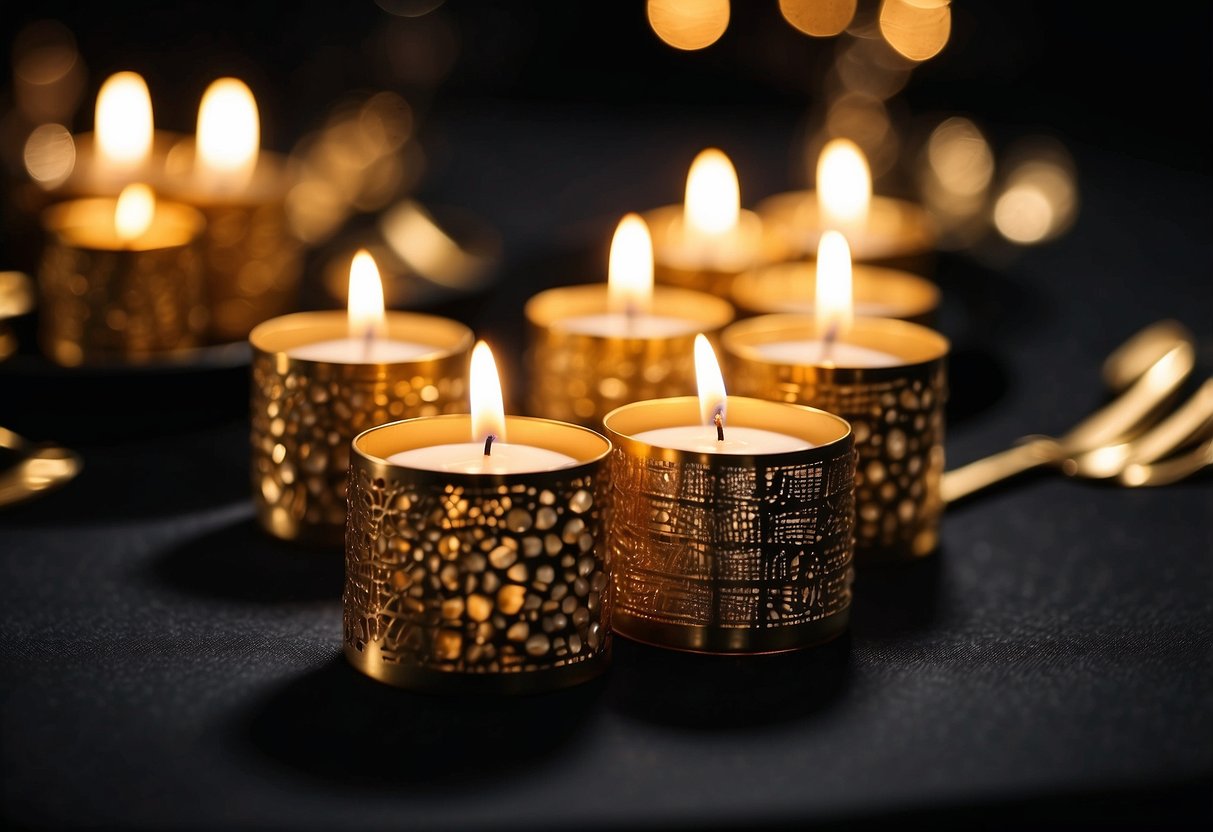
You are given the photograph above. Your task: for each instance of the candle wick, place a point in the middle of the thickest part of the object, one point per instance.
(629, 316)
(367, 340)
(719, 420)
(488, 444)
(827, 343)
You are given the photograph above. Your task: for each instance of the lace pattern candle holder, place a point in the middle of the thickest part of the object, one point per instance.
(305, 413)
(478, 582)
(724, 553)
(896, 414)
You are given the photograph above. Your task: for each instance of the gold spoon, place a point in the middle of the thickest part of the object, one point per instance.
(41, 469)
(1174, 356)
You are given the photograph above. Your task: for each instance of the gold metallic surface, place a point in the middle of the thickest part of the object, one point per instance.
(580, 378)
(896, 414)
(103, 300)
(791, 287)
(478, 582)
(305, 413)
(723, 553)
(898, 234)
(672, 264)
(41, 469)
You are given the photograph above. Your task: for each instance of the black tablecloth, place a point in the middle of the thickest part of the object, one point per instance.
(166, 665)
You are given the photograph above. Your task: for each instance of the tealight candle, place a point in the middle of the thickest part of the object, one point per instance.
(880, 229)
(120, 278)
(487, 452)
(478, 566)
(705, 242)
(886, 377)
(594, 347)
(253, 262)
(320, 378)
(733, 518)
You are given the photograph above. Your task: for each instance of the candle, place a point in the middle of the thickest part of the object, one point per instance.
(886, 377)
(488, 452)
(120, 278)
(834, 314)
(481, 565)
(594, 347)
(880, 229)
(710, 436)
(320, 378)
(703, 243)
(367, 341)
(733, 521)
(252, 260)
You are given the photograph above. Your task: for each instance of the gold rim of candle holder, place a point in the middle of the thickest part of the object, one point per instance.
(579, 378)
(770, 289)
(905, 232)
(896, 413)
(478, 583)
(714, 280)
(731, 553)
(108, 300)
(305, 413)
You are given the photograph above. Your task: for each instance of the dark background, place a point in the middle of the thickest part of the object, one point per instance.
(165, 665)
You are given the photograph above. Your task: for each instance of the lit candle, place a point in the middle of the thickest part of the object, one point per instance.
(253, 261)
(887, 377)
(367, 341)
(488, 451)
(120, 278)
(321, 378)
(733, 521)
(713, 435)
(629, 292)
(880, 229)
(835, 318)
(703, 243)
(594, 347)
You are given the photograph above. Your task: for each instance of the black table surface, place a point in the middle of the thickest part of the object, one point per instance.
(165, 664)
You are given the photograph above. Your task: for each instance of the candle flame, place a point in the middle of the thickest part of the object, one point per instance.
(712, 396)
(123, 121)
(833, 305)
(844, 185)
(366, 315)
(134, 211)
(488, 411)
(229, 131)
(630, 270)
(713, 199)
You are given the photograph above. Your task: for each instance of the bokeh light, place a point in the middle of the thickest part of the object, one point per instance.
(48, 73)
(819, 18)
(689, 24)
(1039, 197)
(960, 157)
(49, 155)
(918, 29)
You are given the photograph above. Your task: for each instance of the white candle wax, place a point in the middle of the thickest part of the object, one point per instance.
(737, 440)
(361, 351)
(620, 325)
(469, 458)
(814, 352)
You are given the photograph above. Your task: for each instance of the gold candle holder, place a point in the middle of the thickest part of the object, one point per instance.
(896, 414)
(109, 298)
(897, 234)
(690, 263)
(878, 292)
(580, 378)
(305, 413)
(478, 582)
(252, 260)
(724, 553)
